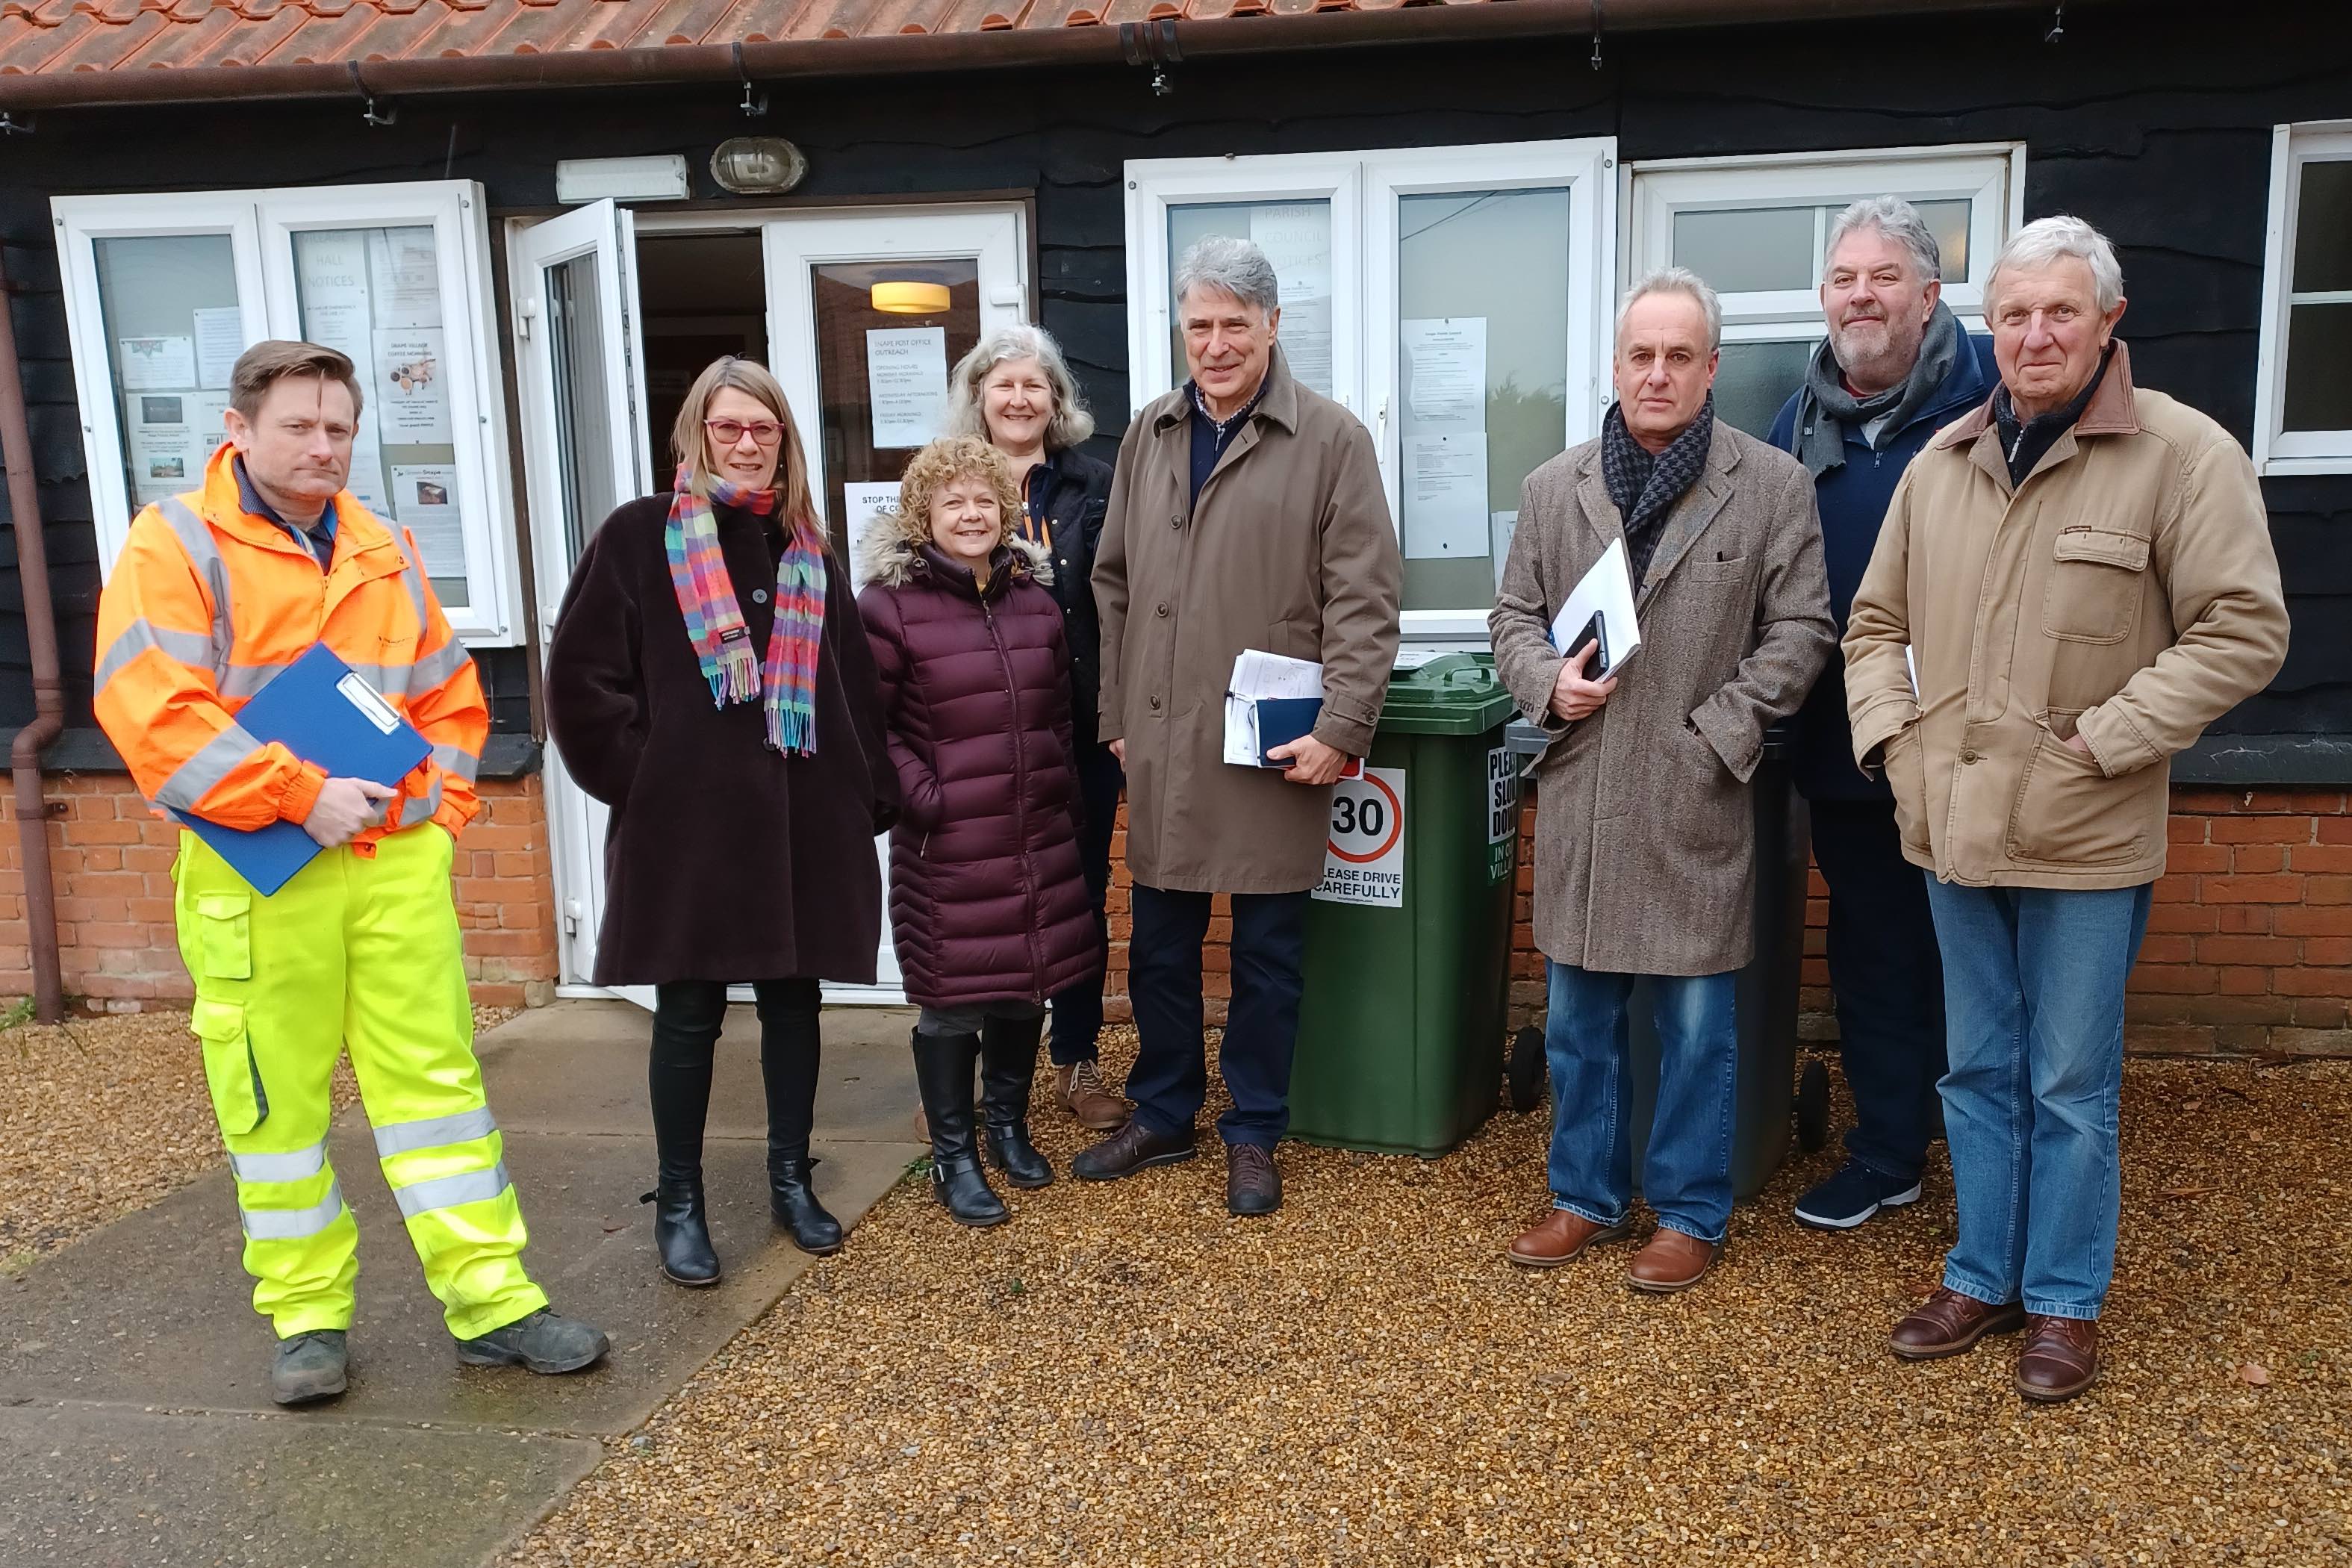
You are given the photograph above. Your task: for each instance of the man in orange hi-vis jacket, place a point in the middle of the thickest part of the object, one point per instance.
(217, 592)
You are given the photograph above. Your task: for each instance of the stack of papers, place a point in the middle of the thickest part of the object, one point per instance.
(1605, 595)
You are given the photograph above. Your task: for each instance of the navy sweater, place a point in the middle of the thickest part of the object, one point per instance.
(1853, 500)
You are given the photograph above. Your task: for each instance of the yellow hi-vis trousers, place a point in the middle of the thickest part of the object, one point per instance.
(360, 948)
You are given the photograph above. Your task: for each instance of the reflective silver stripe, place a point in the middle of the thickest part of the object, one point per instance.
(196, 537)
(299, 1165)
(448, 1192)
(426, 807)
(457, 761)
(214, 761)
(193, 649)
(293, 1225)
(241, 681)
(404, 1137)
(439, 665)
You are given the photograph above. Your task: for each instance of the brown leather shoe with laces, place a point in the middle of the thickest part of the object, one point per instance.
(1132, 1148)
(1562, 1236)
(1949, 1324)
(1080, 1088)
(1252, 1185)
(1671, 1261)
(2059, 1359)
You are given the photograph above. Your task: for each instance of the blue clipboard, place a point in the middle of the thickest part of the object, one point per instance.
(326, 714)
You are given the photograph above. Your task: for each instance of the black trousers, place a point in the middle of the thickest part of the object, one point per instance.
(1169, 1082)
(1889, 980)
(688, 1016)
(1078, 1010)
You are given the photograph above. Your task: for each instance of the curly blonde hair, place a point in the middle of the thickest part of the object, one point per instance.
(949, 458)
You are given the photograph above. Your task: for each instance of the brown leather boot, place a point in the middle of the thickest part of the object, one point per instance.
(1672, 1261)
(1080, 1088)
(2059, 1359)
(1562, 1236)
(1949, 1324)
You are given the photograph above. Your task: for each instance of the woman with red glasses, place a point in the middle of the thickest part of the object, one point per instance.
(709, 680)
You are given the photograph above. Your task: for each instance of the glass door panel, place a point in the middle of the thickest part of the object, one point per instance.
(174, 328)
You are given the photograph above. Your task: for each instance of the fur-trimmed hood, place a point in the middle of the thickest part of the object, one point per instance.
(888, 554)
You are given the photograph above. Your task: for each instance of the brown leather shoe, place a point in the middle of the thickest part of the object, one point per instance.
(1080, 1088)
(1253, 1186)
(1948, 1323)
(1672, 1261)
(1562, 1236)
(1132, 1148)
(2059, 1359)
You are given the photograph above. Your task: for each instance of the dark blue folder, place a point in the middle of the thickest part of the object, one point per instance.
(1282, 719)
(331, 718)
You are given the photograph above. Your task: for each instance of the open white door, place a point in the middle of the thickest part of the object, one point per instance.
(581, 380)
(868, 310)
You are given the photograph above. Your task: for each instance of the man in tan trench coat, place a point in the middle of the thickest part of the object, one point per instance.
(1246, 513)
(1644, 831)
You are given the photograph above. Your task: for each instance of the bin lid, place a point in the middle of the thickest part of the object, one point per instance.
(1451, 694)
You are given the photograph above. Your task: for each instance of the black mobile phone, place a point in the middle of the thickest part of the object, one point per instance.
(1593, 633)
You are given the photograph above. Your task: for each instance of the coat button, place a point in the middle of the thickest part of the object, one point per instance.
(1176, 522)
(1968, 756)
(1163, 611)
(759, 595)
(1155, 705)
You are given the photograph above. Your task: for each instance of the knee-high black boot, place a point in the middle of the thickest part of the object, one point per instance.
(1008, 1066)
(678, 1079)
(789, 1050)
(943, 1064)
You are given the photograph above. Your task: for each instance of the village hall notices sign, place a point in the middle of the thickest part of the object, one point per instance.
(1364, 859)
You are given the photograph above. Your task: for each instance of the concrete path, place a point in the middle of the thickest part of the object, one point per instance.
(135, 1421)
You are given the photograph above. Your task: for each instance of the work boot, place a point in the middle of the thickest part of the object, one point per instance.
(1008, 1067)
(542, 1341)
(1562, 1236)
(792, 1200)
(943, 1066)
(1949, 1324)
(2059, 1359)
(310, 1367)
(1080, 1088)
(682, 1231)
(1671, 1261)
(1253, 1184)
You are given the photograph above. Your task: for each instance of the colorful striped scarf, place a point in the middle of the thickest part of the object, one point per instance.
(714, 621)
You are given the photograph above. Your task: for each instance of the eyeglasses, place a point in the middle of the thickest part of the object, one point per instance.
(727, 432)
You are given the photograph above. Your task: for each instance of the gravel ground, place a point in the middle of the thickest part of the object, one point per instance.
(103, 1115)
(1124, 1375)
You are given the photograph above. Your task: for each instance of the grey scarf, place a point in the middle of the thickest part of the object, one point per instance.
(1826, 410)
(1645, 487)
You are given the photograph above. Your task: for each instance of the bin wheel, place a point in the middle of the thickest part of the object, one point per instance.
(1813, 1105)
(1526, 1069)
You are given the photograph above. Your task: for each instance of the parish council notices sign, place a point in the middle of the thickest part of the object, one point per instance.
(1363, 861)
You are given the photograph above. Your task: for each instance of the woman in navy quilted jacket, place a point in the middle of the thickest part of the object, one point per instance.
(989, 907)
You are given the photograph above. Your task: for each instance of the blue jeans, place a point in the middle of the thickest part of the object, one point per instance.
(2033, 999)
(1686, 1173)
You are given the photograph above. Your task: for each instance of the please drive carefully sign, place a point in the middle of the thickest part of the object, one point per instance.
(1363, 861)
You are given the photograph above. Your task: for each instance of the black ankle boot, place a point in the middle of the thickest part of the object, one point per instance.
(1008, 1066)
(794, 1202)
(943, 1064)
(682, 1232)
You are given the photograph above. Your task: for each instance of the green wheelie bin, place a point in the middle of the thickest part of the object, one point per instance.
(1403, 1022)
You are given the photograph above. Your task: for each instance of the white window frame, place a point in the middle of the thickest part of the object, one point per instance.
(261, 224)
(2278, 450)
(1990, 176)
(1363, 187)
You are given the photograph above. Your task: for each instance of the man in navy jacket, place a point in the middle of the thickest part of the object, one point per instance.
(1894, 368)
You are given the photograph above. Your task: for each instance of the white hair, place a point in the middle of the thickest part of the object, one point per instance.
(1674, 280)
(1899, 221)
(2049, 239)
(1069, 423)
(1225, 265)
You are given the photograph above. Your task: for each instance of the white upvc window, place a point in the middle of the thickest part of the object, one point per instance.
(1757, 229)
(1454, 298)
(2303, 400)
(163, 291)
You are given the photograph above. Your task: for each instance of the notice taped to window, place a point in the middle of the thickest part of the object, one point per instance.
(1364, 859)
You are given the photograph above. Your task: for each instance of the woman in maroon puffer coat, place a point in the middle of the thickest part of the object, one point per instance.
(989, 906)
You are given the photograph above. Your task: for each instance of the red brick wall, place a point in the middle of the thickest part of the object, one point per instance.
(112, 859)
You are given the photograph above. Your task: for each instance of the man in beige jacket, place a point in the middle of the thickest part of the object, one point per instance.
(2071, 582)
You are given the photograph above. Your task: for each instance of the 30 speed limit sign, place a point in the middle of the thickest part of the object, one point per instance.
(1363, 861)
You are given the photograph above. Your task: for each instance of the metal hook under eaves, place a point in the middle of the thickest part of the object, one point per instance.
(386, 115)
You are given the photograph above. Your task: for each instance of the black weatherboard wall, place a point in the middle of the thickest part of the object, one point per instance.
(2153, 122)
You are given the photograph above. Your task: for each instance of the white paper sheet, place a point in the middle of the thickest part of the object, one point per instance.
(366, 478)
(1257, 674)
(151, 364)
(1608, 590)
(906, 384)
(331, 270)
(166, 457)
(869, 507)
(425, 499)
(1445, 373)
(1444, 495)
(1502, 527)
(1363, 857)
(1296, 238)
(410, 393)
(207, 418)
(406, 277)
(220, 338)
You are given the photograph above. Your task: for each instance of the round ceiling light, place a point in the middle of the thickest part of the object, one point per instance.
(906, 298)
